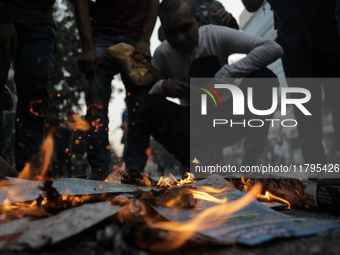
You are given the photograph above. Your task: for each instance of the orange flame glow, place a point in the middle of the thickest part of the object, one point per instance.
(172, 182)
(205, 196)
(270, 197)
(195, 161)
(47, 150)
(79, 123)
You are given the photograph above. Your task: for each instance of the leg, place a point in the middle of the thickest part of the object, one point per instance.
(33, 62)
(337, 14)
(138, 137)
(4, 67)
(299, 62)
(97, 100)
(256, 137)
(330, 68)
(169, 124)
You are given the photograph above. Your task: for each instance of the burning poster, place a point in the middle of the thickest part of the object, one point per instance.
(251, 225)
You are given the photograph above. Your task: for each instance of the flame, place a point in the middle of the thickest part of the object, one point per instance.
(209, 218)
(47, 151)
(270, 197)
(195, 161)
(246, 184)
(204, 196)
(34, 103)
(208, 189)
(166, 181)
(79, 123)
(189, 179)
(145, 180)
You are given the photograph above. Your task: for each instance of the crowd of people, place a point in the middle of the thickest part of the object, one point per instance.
(197, 38)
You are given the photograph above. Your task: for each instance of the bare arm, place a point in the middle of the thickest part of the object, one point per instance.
(88, 60)
(252, 5)
(143, 46)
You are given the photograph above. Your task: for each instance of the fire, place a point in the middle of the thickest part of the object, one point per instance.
(172, 182)
(208, 189)
(79, 123)
(180, 232)
(204, 196)
(246, 184)
(189, 179)
(145, 180)
(164, 182)
(270, 197)
(195, 161)
(47, 151)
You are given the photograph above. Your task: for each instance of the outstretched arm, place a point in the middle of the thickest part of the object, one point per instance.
(88, 59)
(252, 5)
(260, 52)
(143, 46)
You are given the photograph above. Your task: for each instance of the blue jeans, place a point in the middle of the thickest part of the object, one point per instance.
(32, 63)
(97, 100)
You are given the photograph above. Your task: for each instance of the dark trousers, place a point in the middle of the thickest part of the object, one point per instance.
(97, 100)
(169, 123)
(314, 53)
(32, 63)
(62, 159)
(337, 14)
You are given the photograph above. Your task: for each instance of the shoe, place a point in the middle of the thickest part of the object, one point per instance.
(99, 176)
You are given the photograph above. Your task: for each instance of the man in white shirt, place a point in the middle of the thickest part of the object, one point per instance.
(175, 61)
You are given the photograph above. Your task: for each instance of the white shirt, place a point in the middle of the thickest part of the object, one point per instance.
(220, 42)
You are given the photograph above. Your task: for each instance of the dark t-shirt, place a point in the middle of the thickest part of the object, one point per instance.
(62, 137)
(303, 15)
(119, 17)
(41, 9)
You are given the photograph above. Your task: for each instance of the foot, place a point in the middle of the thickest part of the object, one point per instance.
(99, 176)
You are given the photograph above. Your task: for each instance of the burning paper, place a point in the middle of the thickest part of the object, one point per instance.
(30, 190)
(253, 224)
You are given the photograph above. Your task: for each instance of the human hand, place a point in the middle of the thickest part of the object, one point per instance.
(8, 38)
(223, 15)
(88, 62)
(143, 47)
(176, 87)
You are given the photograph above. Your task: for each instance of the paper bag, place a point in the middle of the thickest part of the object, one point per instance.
(138, 68)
